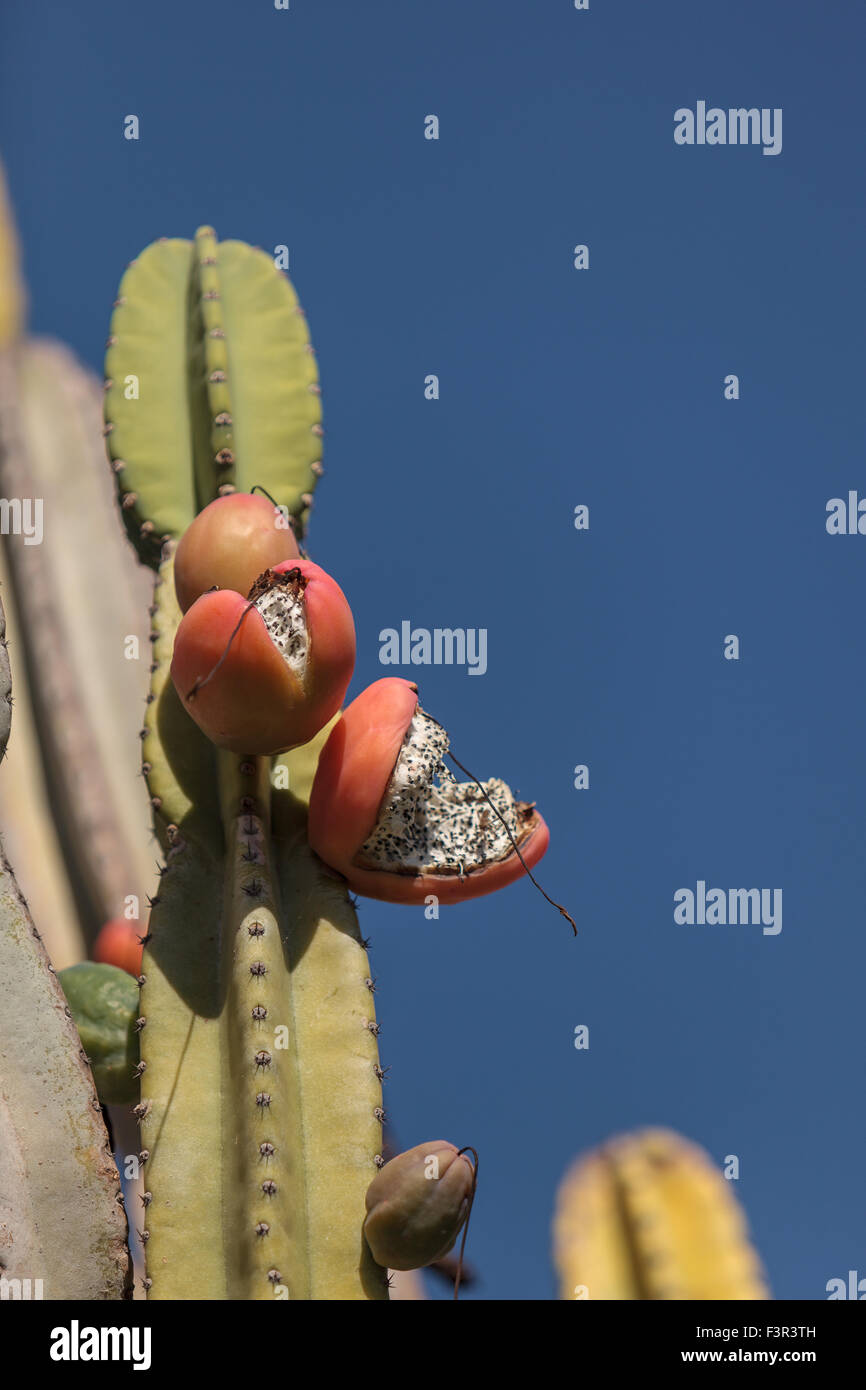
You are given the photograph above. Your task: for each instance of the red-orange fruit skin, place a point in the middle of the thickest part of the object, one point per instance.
(351, 779)
(254, 703)
(118, 944)
(354, 767)
(228, 545)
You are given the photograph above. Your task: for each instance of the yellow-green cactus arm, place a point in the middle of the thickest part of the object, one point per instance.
(649, 1216)
(211, 386)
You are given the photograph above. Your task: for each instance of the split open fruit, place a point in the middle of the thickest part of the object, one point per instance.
(263, 673)
(387, 813)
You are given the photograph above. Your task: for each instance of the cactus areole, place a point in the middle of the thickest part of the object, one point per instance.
(265, 673)
(387, 813)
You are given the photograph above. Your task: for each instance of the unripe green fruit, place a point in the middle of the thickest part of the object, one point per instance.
(417, 1205)
(103, 1000)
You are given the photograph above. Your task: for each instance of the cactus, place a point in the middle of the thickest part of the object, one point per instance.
(60, 1220)
(78, 604)
(246, 921)
(27, 826)
(250, 1035)
(12, 294)
(103, 1000)
(260, 1107)
(25, 822)
(75, 601)
(648, 1216)
(211, 387)
(258, 1025)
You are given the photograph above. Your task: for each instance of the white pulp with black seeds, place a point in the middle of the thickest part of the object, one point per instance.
(430, 822)
(284, 615)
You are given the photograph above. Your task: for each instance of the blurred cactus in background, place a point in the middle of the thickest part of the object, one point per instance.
(649, 1216)
(73, 809)
(12, 294)
(60, 1220)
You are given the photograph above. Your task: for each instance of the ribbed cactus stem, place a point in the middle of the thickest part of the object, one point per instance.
(213, 334)
(261, 1106)
(215, 470)
(246, 919)
(258, 1034)
(265, 1191)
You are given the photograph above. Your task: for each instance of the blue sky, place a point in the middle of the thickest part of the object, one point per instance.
(557, 387)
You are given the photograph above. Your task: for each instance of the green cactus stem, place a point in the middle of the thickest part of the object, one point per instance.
(211, 386)
(178, 761)
(257, 1034)
(104, 1004)
(257, 1027)
(260, 1104)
